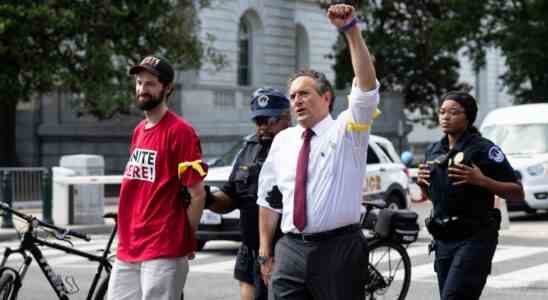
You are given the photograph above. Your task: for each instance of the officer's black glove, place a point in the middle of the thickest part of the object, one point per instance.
(185, 196)
(274, 198)
(209, 199)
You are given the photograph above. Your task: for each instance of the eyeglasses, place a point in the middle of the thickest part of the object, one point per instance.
(452, 112)
(260, 121)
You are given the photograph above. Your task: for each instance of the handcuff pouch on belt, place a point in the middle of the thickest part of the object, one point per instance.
(457, 227)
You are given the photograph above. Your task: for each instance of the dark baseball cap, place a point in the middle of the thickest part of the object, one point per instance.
(156, 65)
(268, 102)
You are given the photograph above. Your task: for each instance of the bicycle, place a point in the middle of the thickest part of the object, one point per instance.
(389, 263)
(11, 279)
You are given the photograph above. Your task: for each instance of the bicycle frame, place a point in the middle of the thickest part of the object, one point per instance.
(378, 281)
(30, 243)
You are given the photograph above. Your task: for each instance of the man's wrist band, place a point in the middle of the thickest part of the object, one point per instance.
(348, 25)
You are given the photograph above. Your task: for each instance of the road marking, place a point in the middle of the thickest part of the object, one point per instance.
(81, 262)
(381, 256)
(520, 278)
(201, 255)
(225, 263)
(225, 266)
(417, 249)
(504, 253)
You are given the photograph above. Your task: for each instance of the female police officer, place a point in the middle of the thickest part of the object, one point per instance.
(462, 173)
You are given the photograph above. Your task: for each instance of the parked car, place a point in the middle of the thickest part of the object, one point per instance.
(215, 226)
(522, 133)
(387, 179)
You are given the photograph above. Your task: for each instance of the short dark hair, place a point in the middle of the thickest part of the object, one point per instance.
(468, 102)
(322, 84)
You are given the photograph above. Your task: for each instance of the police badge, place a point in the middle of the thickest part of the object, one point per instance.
(459, 157)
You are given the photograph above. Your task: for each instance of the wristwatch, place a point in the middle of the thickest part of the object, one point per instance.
(262, 259)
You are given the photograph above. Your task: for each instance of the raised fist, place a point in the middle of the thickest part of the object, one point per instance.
(340, 14)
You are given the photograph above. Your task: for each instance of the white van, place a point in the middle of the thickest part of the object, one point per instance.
(522, 133)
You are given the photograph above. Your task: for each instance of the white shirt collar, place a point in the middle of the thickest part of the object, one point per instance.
(320, 127)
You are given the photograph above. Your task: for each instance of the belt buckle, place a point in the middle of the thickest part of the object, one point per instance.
(449, 219)
(305, 237)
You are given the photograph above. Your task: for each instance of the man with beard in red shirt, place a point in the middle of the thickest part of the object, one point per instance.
(156, 232)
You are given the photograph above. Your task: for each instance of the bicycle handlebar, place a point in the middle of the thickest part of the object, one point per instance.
(31, 219)
(6, 207)
(380, 204)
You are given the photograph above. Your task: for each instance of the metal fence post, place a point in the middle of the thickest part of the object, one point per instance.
(7, 221)
(46, 196)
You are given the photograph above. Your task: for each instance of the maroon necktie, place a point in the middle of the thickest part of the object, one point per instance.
(299, 204)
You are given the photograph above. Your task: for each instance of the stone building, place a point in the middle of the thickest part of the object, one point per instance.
(264, 42)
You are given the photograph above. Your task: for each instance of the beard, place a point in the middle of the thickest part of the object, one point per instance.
(265, 139)
(150, 103)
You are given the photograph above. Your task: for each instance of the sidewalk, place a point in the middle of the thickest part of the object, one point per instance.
(7, 234)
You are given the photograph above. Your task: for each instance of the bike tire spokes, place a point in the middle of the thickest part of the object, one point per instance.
(386, 274)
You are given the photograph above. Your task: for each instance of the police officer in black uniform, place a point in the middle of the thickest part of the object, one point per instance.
(270, 113)
(462, 174)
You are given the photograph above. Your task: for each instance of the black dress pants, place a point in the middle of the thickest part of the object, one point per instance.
(327, 269)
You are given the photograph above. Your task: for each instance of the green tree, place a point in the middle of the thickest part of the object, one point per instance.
(519, 28)
(415, 44)
(86, 47)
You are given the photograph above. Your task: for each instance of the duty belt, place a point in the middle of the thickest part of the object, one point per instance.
(455, 227)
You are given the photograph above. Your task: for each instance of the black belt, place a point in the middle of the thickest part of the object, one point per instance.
(324, 235)
(458, 227)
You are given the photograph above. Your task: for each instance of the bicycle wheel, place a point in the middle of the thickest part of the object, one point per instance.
(7, 285)
(389, 271)
(102, 289)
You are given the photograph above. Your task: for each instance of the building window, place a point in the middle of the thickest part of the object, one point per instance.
(224, 99)
(301, 49)
(244, 53)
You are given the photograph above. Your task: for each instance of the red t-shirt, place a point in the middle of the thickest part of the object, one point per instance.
(152, 221)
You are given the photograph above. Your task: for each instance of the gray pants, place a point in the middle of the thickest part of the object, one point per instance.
(156, 279)
(331, 269)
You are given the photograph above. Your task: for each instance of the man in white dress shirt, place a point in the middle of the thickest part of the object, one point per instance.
(323, 253)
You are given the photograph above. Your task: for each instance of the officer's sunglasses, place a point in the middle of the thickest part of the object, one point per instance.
(263, 120)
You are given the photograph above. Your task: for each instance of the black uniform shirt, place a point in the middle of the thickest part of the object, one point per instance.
(465, 200)
(242, 187)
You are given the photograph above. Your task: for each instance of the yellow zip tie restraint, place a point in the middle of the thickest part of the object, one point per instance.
(196, 165)
(353, 126)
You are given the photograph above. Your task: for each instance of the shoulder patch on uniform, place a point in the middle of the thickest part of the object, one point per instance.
(495, 154)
